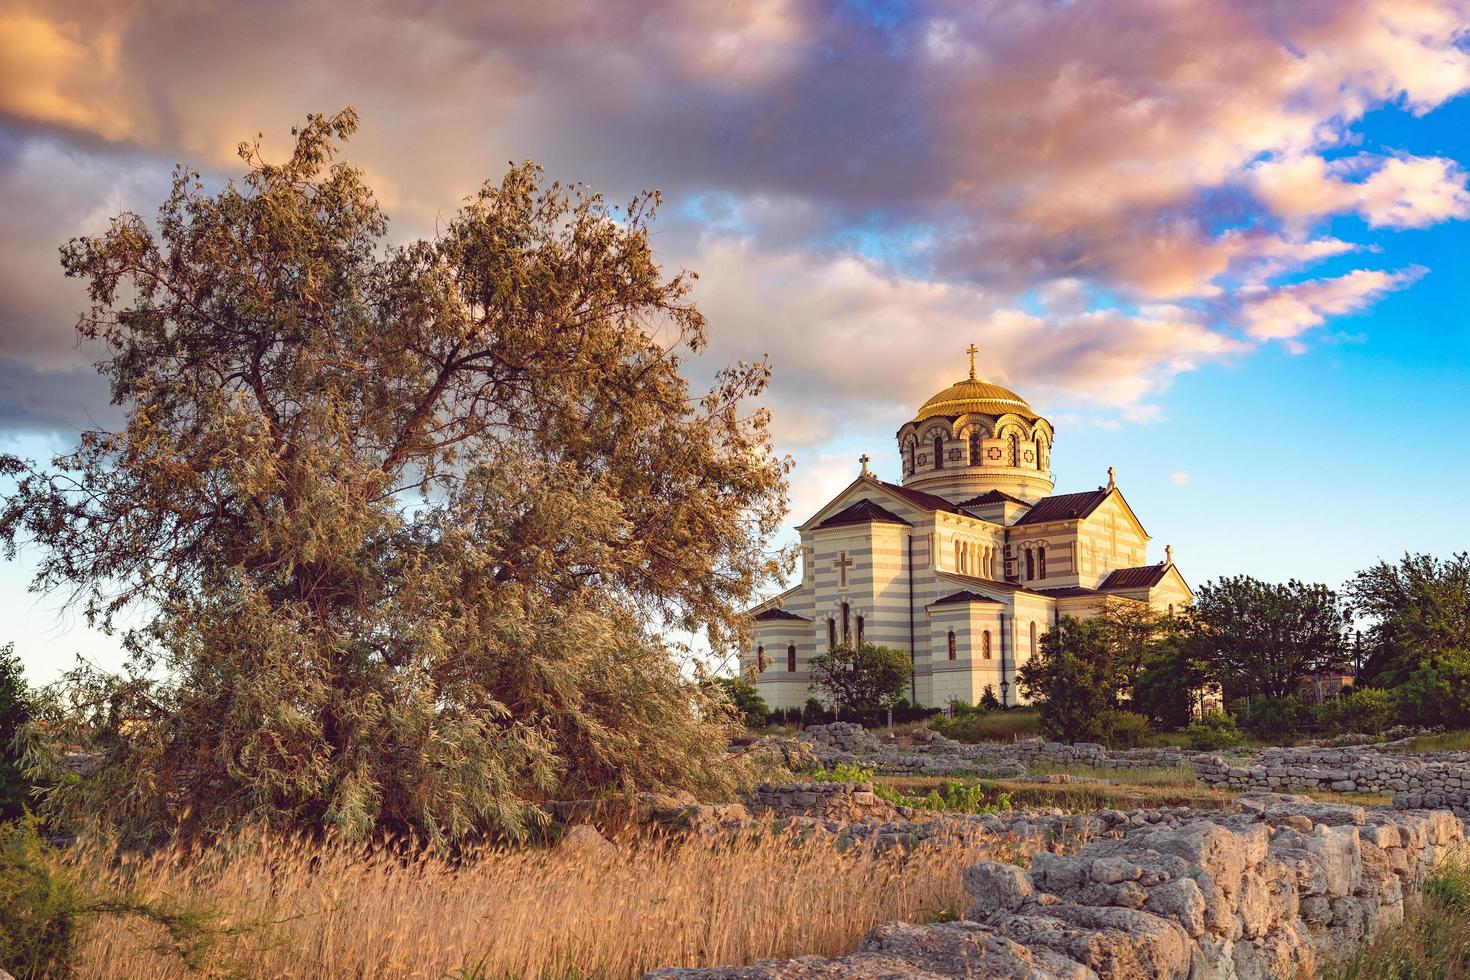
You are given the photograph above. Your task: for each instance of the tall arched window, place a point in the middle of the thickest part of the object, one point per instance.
(958, 556)
(860, 630)
(974, 449)
(1030, 564)
(939, 452)
(1041, 561)
(846, 623)
(831, 634)
(953, 650)
(1015, 450)
(985, 644)
(791, 659)
(1033, 639)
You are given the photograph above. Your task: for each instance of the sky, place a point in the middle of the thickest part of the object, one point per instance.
(1222, 246)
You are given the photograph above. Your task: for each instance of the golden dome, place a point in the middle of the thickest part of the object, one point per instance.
(974, 395)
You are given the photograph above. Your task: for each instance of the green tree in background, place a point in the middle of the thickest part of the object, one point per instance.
(862, 676)
(16, 709)
(1261, 638)
(745, 699)
(1077, 678)
(1420, 609)
(407, 524)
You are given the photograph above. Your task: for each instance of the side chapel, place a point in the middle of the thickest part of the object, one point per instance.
(965, 563)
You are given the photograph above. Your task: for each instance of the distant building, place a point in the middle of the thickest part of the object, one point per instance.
(965, 563)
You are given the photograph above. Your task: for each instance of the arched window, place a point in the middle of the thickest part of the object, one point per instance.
(953, 650)
(939, 452)
(908, 457)
(1015, 450)
(985, 644)
(1041, 561)
(974, 449)
(791, 659)
(958, 556)
(846, 623)
(860, 630)
(1033, 639)
(1030, 564)
(831, 634)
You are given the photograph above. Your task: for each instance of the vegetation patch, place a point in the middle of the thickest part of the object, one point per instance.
(1432, 943)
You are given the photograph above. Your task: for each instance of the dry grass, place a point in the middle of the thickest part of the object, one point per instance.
(300, 910)
(1458, 741)
(1432, 943)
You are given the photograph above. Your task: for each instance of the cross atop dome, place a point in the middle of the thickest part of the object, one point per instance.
(972, 350)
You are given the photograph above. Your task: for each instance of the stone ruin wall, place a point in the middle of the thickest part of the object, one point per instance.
(1282, 887)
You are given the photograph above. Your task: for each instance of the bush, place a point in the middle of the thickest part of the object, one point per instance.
(1365, 711)
(813, 712)
(746, 700)
(1215, 731)
(1274, 718)
(1122, 729)
(38, 914)
(1436, 695)
(988, 700)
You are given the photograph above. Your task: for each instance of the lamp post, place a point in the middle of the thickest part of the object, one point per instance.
(1004, 687)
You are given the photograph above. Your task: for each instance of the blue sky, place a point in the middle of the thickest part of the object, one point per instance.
(1222, 246)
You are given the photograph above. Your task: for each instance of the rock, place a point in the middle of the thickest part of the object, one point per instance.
(583, 841)
(997, 887)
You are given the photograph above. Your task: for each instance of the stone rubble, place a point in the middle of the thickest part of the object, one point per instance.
(1279, 887)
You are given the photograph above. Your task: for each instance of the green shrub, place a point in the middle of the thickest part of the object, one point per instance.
(40, 907)
(746, 700)
(1367, 711)
(1436, 695)
(1123, 729)
(1213, 732)
(1274, 718)
(988, 700)
(845, 772)
(813, 712)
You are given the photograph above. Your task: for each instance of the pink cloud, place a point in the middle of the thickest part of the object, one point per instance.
(1398, 192)
(1286, 312)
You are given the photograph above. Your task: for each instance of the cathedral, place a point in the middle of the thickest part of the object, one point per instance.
(964, 564)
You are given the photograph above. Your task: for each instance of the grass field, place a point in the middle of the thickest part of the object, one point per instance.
(302, 910)
(1444, 742)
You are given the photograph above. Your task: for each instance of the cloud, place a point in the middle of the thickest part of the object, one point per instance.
(855, 344)
(1180, 479)
(1285, 312)
(1397, 192)
(1104, 195)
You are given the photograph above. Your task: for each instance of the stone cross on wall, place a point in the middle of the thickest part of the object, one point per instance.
(843, 563)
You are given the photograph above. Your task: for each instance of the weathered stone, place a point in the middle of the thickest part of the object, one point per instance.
(997, 887)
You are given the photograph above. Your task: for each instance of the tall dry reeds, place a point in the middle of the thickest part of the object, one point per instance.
(293, 909)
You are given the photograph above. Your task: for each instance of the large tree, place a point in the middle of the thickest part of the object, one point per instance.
(1262, 638)
(1419, 610)
(407, 525)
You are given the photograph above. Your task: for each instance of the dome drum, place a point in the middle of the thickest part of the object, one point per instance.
(976, 436)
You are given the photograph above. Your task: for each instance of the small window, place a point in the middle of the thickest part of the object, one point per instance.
(1015, 450)
(831, 634)
(953, 650)
(846, 623)
(860, 630)
(1041, 561)
(985, 644)
(1030, 564)
(974, 449)
(939, 452)
(791, 659)
(1033, 639)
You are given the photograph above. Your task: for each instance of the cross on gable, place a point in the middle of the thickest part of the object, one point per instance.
(843, 563)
